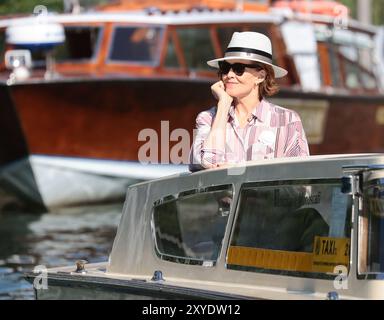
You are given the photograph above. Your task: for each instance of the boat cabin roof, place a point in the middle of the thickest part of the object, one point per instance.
(275, 226)
(183, 17)
(142, 17)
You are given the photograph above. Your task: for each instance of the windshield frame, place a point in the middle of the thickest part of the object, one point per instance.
(365, 230)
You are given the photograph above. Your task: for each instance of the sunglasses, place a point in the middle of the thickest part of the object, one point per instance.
(238, 68)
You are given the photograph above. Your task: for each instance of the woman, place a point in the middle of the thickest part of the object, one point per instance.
(244, 126)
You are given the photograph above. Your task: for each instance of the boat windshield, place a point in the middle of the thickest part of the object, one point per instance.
(351, 55)
(189, 228)
(371, 230)
(81, 43)
(332, 57)
(133, 44)
(298, 228)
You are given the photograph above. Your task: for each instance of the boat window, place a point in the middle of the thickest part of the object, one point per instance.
(2, 49)
(197, 47)
(299, 228)
(350, 53)
(171, 60)
(189, 227)
(351, 75)
(379, 53)
(305, 56)
(356, 76)
(225, 33)
(368, 80)
(335, 65)
(136, 44)
(371, 230)
(261, 29)
(80, 43)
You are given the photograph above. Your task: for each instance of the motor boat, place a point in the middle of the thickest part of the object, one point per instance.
(107, 90)
(290, 228)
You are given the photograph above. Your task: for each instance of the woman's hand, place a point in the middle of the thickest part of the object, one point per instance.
(218, 91)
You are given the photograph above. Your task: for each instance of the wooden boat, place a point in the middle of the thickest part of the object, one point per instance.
(125, 68)
(295, 228)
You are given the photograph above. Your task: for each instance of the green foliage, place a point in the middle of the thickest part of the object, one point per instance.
(378, 12)
(27, 6)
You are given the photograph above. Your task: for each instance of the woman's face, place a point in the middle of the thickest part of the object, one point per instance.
(247, 83)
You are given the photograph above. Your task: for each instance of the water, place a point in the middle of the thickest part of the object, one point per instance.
(52, 239)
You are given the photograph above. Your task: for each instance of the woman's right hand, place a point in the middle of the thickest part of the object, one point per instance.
(218, 91)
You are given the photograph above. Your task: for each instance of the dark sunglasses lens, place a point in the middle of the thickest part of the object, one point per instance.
(224, 67)
(238, 68)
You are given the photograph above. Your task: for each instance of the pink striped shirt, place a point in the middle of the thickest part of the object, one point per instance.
(272, 132)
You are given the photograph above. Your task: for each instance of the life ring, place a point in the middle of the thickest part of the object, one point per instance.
(330, 8)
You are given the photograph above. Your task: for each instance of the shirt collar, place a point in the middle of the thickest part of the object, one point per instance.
(259, 112)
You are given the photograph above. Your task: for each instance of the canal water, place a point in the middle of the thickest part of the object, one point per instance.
(52, 239)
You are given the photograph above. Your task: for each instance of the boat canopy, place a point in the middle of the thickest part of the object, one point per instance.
(254, 224)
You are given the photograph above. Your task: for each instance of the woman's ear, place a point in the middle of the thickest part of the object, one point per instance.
(260, 77)
(262, 74)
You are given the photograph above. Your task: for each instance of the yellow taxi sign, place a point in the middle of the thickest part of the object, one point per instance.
(330, 252)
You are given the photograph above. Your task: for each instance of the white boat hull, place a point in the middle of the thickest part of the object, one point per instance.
(39, 182)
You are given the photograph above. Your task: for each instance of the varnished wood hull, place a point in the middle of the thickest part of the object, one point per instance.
(103, 118)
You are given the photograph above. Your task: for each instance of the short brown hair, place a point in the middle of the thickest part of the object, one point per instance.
(268, 87)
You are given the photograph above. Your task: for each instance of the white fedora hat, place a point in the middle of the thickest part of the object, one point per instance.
(252, 46)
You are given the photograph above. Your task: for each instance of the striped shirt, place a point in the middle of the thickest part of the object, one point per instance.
(271, 132)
